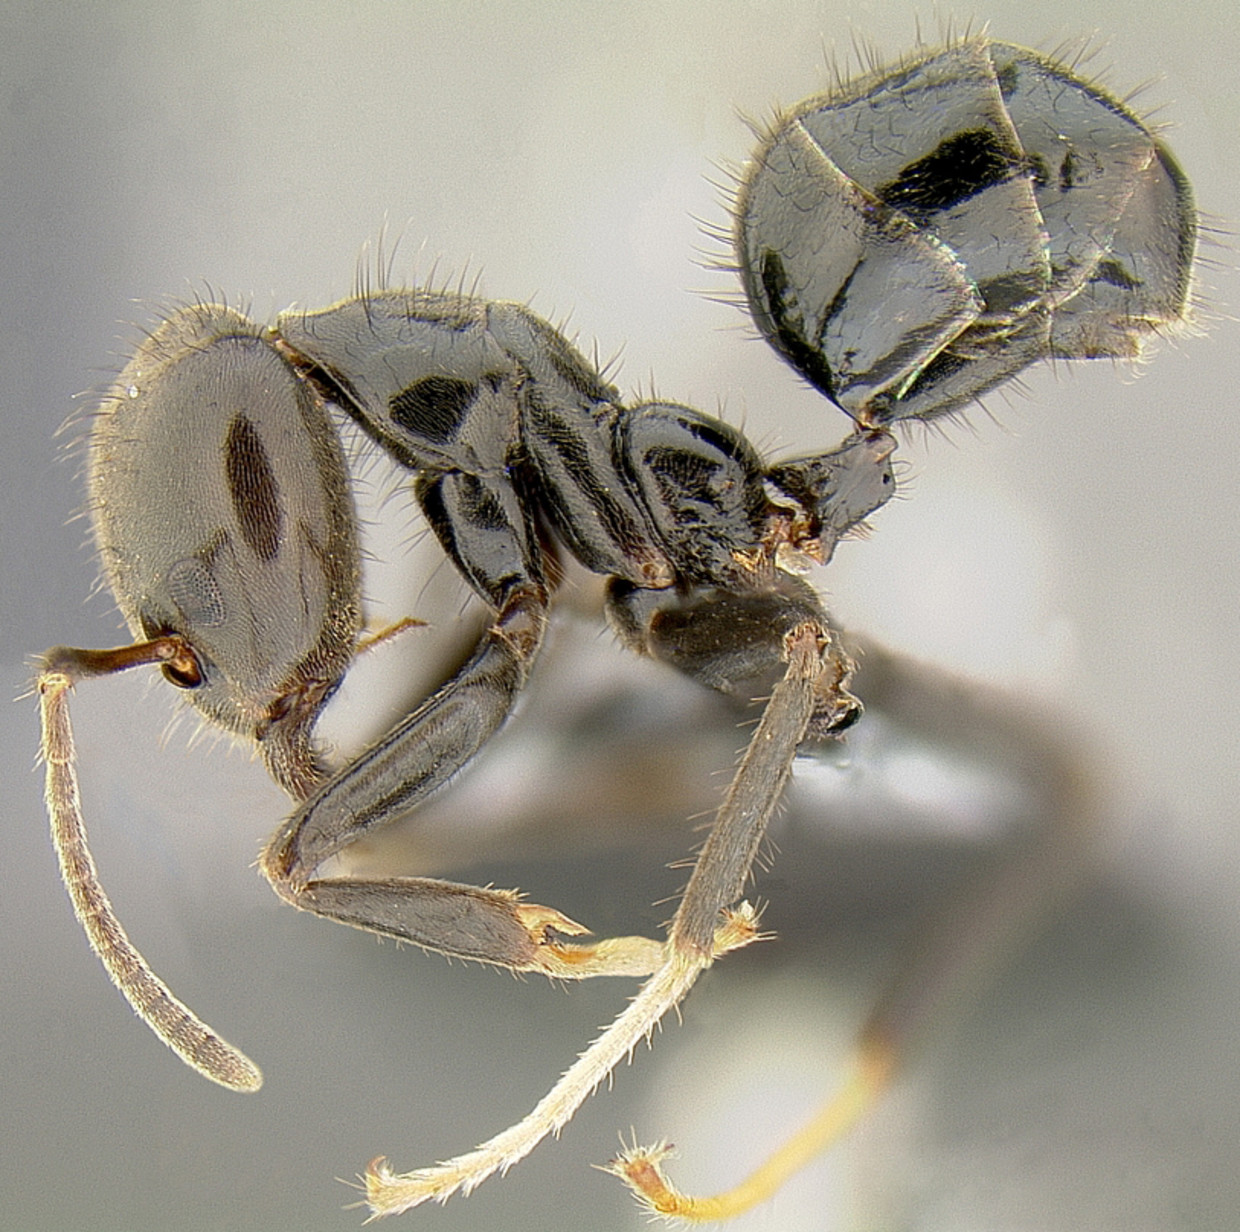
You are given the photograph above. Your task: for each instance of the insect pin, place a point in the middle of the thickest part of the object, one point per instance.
(906, 242)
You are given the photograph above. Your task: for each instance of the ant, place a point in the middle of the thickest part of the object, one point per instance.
(906, 242)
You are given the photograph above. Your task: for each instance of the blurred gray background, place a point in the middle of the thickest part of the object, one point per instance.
(1076, 545)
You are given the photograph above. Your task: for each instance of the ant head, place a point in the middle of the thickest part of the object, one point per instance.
(223, 516)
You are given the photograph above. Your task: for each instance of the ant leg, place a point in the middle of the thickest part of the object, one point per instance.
(397, 773)
(962, 942)
(483, 529)
(705, 927)
(735, 641)
(370, 640)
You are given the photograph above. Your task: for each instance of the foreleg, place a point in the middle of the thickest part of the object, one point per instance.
(704, 928)
(481, 525)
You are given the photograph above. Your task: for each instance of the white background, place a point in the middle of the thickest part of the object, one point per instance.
(1078, 543)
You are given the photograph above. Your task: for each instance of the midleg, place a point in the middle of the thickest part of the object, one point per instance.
(705, 927)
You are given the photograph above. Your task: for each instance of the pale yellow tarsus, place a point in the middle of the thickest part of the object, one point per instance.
(391, 1193)
(640, 1168)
